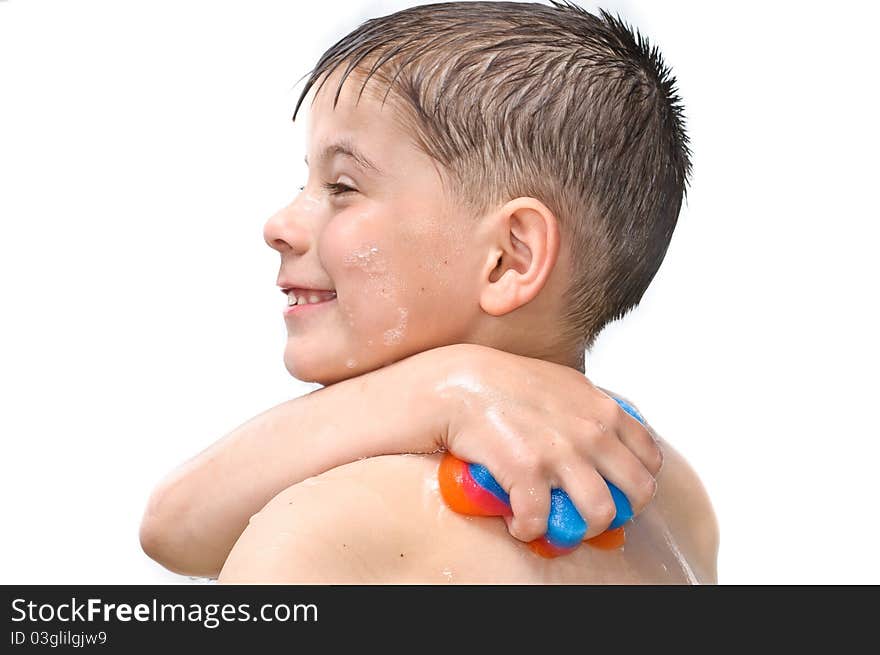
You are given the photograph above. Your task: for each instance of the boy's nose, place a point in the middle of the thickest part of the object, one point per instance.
(284, 232)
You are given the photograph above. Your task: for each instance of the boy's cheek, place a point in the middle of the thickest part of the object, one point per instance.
(355, 257)
(350, 228)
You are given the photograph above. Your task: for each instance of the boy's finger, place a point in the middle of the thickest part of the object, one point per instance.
(617, 464)
(640, 442)
(590, 496)
(530, 503)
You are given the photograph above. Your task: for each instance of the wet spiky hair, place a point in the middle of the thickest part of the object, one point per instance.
(524, 99)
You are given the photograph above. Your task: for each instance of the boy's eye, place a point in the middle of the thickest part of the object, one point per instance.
(335, 189)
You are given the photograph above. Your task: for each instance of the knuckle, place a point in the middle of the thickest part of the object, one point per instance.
(523, 457)
(595, 431)
(528, 464)
(563, 449)
(534, 462)
(612, 410)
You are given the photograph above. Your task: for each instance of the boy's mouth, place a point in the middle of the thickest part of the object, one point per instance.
(307, 296)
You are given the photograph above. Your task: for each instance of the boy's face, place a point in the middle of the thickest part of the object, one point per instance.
(393, 251)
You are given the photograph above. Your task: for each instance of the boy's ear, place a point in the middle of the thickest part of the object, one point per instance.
(523, 248)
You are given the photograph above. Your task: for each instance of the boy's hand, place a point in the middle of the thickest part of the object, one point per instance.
(537, 425)
(534, 424)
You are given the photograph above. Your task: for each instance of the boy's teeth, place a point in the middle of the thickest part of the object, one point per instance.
(309, 299)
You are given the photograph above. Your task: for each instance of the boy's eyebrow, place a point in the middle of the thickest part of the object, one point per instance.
(347, 149)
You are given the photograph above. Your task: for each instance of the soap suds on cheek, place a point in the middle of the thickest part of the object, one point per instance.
(396, 334)
(381, 290)
(366, 258)
(371, 307)
(369, 260)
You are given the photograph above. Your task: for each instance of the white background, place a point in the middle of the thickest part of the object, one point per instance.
(143, 145)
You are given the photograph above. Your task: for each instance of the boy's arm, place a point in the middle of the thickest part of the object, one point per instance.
(533, 423)
(195, 515)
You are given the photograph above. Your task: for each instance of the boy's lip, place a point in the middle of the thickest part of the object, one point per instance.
(289, 285)
(307, 308)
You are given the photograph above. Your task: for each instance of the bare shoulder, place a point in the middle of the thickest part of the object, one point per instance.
(380, 520)
(685, 505)
(683, 500)
(353, 524)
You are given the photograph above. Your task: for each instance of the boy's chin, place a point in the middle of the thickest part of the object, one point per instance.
(317, 370)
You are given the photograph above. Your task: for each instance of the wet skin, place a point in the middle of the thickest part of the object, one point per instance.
(410, 273)
(382, 521)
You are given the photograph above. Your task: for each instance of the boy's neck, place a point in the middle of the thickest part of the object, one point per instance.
(573, 357)
(574, 360)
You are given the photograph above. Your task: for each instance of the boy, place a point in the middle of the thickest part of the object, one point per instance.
(494, 183)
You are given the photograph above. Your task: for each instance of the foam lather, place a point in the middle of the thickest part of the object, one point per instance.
(470, 489)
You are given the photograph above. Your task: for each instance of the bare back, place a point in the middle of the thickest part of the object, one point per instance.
(382, 520)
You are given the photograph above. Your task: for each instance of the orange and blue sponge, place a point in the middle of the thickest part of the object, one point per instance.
(470, 489)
